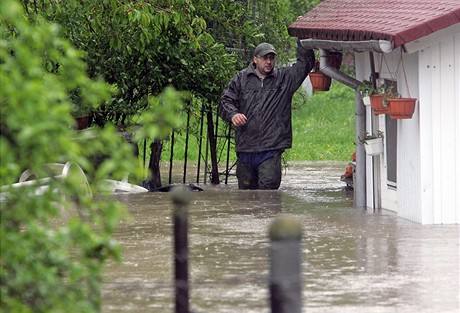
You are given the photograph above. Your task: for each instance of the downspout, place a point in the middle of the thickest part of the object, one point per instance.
(334, 72)
(359, 177)
(377, 193)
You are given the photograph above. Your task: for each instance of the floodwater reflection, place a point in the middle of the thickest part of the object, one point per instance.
(352, 260)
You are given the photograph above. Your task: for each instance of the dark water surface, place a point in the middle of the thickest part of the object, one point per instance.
(352, 260)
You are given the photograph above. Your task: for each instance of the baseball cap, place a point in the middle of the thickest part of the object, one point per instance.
(264, 49)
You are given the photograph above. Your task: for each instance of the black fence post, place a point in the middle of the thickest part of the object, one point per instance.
(285, 272)
(181, 196)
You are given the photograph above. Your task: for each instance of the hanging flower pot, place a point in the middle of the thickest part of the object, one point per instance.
(373, 143)
(367, 100)
(401, 108)
(377, 104)
(320, 81)
(374, 146)
(366, 88)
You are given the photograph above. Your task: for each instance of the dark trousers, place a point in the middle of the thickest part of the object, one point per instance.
(265, 176)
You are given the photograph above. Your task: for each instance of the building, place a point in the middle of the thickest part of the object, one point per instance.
(414, 44)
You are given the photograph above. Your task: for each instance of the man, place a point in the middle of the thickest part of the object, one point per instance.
(257, 102)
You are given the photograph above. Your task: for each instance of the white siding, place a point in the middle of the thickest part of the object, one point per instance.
(449, 141)
(426, 138)
(428, 171)
(408, 169)
(440, 143)
(457, 123)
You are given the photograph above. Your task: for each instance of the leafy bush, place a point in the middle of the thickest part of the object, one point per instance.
(140, 48)
(55, 242)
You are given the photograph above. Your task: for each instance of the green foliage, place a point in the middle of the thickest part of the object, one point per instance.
(54, 243)
(388, 93)
(161, 115)
(301, 6)
(141, 47)
(242, 25)
(366, 88)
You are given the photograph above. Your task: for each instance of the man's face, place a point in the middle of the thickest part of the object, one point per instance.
(265, 64)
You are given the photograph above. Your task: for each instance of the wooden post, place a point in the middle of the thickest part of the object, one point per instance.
(285, 272)
(181, 196)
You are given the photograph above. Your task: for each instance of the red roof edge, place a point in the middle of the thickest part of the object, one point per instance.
(427, 28)
(337, 34)
(306, 29)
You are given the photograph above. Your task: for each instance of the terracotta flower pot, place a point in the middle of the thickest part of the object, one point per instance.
(401, 108)
(377, 104)
(82, 122)
(320, 81)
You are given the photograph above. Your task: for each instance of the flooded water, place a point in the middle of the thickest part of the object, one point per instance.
(352, 260)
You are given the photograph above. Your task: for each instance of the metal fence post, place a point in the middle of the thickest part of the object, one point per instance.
(285, 272)
(181, 196)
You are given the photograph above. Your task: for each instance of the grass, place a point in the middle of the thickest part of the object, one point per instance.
(323, 125)
(323, 129)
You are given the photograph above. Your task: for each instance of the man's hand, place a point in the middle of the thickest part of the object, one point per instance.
(239, 119)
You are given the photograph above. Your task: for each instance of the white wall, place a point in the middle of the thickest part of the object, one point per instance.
(409, 168)
(428, 171)
(439, 66)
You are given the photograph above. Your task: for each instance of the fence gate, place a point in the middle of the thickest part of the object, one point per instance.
(215, 161)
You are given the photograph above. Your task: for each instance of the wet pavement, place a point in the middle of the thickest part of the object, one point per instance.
(353, 260)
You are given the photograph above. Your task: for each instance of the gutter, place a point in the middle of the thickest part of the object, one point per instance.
(380, 46)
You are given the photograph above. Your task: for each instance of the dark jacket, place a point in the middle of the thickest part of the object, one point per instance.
(266, 104)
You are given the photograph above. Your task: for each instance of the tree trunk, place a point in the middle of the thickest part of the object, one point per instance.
(154, 165)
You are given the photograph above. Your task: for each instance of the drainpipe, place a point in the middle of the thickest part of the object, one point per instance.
(335, 73)
(359, 178)
(375, 164)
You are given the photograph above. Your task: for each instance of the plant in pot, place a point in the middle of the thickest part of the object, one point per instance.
(82, 114)
(373, 143)
(379, 100)
(367, 89)
(400, 108)
(319, 80)
(81, 109)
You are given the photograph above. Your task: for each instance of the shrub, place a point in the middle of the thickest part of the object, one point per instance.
(53, 245)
